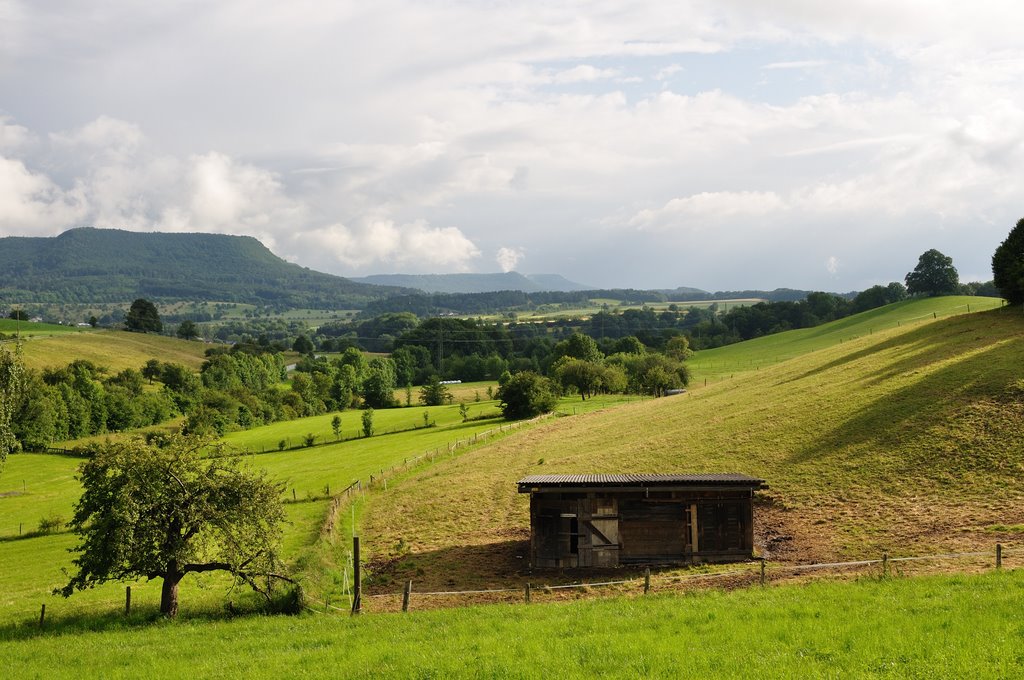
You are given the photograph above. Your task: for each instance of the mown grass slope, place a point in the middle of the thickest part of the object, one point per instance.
(724, 362)
(906, 440)
(114, 350)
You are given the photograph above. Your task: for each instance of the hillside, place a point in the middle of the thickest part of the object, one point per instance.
(910, 440)
(474, 283)
(111, 265)
(114, 350)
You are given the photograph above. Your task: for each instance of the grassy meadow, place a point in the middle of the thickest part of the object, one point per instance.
(898, 430)
(38, 486)
(724, 362)
(908, 440)
(115, 350)
(940, 626)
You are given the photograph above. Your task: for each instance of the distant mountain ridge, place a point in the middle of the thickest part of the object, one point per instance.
(476, 283)
(113, 265)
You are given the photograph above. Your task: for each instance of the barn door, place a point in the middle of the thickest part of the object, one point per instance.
(604, 533)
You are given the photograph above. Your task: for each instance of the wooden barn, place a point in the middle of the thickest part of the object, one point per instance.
(612, 520)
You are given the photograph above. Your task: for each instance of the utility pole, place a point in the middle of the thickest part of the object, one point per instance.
(440, 346)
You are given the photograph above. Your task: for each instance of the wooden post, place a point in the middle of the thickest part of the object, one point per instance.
(527, 594)
(19, 528)
(647, 580)
(357, 605)
(999, 555)
(42, 616)
(293, 494)
(885, 564)
(405, 596)
(127, 600)
(762, 572)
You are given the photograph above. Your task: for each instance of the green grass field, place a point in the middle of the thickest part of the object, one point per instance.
(115, 350)
(908, 440)
(36, 486)
(903, 438)
(27, 329)
(949, 627)
(724, 362)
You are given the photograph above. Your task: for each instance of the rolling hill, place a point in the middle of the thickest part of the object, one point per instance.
(908, 439)
(898, 431)
(111, 265)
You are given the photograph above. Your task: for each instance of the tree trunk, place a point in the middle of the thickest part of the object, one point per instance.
(169, 591)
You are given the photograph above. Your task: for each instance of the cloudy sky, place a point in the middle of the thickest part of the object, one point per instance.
(725, 145)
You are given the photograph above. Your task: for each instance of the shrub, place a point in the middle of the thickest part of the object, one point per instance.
(527, 394)
(50, 524)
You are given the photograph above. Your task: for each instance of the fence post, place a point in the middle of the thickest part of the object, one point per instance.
(647, 580)
(762, 571)
(127, 600)
(357, 604)
(293, 494)
(527, 594)
(999, 555)
(405, 596)
(885, 564)
(42, 616)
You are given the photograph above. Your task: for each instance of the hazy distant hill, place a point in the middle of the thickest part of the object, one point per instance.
(111, 265)
(475, 283)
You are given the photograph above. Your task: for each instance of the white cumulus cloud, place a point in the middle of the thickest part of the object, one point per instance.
(508, 258)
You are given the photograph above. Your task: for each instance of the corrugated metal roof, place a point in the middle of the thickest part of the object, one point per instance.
(723, 478)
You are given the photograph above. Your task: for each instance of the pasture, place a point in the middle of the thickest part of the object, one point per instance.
(898, 431)
(940, 626)
(114, 350)
(724, 362)
(908, 440)
(38, 486)
(27, 330)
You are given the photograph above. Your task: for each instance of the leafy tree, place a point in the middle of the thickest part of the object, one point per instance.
(336, 426)
(368, 422)
(302, 345)
(18, 315)
(434, 392)
(879, 296)
(678, 347)
(379, 383)
(463, 411)
(578, 346)
(143, 318)
(933, 275)
(164, 511)
(1008, 266)
(153, 370)
(630, 345)
(12, 386)
(187, 330)
(93, 321)
(527, 394)
(583, 376)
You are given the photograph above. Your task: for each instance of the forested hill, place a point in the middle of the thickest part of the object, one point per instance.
(111, 265)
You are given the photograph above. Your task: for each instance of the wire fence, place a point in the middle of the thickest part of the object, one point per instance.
(760, 572)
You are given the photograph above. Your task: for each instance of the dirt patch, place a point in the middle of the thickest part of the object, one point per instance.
(5, 494)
